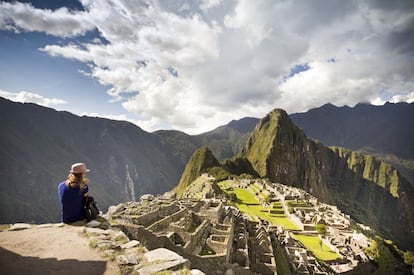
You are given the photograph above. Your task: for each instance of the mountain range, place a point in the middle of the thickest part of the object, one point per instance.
(39, 144)
(383, 131)
(368, 189)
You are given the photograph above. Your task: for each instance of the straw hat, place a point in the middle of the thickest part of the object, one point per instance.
(79, 168)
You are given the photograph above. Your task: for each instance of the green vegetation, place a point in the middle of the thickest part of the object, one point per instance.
(408, 257)
(372, 169)
(298, 203)
(247, 203)
(93, 243)
(317, 247)
(200, 162)
(261, 140)
(218, 172)
(321, 228)
(282, 264)
(372, 250)
(389, 259)
(240, 166)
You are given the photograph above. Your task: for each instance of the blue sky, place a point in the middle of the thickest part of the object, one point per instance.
(196, 65)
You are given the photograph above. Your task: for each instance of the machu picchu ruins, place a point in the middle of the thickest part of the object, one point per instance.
(245, 226)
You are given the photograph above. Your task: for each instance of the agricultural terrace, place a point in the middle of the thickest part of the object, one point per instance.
(247, 203)
(317, 247)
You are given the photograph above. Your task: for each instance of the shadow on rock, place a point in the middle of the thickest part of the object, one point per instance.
(13, 264)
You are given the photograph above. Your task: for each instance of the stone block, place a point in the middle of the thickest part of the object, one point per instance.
(128, 259)
(20, 226)
(130, 244)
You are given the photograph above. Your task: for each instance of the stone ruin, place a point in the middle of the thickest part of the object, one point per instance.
(217, 238)
(214, 237)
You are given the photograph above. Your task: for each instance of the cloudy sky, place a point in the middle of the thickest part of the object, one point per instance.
(193, 65)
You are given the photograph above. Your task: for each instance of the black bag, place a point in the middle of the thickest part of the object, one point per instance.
(90, 208)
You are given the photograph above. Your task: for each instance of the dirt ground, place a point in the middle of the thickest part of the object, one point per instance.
(53, 250)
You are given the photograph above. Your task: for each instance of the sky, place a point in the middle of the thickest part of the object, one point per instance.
(194, 65)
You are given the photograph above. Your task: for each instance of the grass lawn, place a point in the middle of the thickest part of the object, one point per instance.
(245, 196)
(248, 204)
(313, 244)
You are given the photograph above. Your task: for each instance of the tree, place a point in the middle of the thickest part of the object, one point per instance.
(321, 228)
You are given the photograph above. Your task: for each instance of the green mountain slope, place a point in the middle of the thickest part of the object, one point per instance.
(383, 131)
(368, 189)
(200, 162)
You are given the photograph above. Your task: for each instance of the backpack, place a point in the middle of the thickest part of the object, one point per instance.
(89, 208)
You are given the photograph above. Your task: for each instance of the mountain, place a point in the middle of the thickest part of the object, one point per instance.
(224, 141)
(200, 162)
(370, 190)
(38, 146)
(384, 131)
(227, 141)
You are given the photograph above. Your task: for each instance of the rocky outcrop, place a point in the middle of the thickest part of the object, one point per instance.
(370, 190)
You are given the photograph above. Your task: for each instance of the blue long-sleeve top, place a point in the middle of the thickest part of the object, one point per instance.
(70, 199)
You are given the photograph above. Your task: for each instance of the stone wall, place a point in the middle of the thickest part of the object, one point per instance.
(215, 264)
(214, 211)
(155, 215)
(165, 222)
(196, 237)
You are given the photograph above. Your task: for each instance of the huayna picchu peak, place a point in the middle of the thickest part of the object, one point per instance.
(368, 189)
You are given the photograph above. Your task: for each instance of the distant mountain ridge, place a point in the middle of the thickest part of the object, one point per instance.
(380, 129)
(38, 145)
(383, 131)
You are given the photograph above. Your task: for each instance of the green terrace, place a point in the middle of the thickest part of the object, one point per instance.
(317, 247)
(298, 203)
(247, 203)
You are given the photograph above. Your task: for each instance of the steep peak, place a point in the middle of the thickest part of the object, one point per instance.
(200, 162)
(273, 130)
(278, 113)
(272, 120)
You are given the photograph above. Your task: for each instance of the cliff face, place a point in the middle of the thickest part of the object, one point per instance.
(370, 190)
(383, 131)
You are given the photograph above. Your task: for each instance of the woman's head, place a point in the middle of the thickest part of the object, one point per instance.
(78, 168)
(77, 175)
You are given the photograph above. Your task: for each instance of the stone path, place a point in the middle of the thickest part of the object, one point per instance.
(51, 249)
(59, 249)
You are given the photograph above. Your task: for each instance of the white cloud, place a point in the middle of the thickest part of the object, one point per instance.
(209, 4)
(403, 98)
(31, 98)
(62, 22)
(194, 65)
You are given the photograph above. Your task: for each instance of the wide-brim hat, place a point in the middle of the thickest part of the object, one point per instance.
(79, 168)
